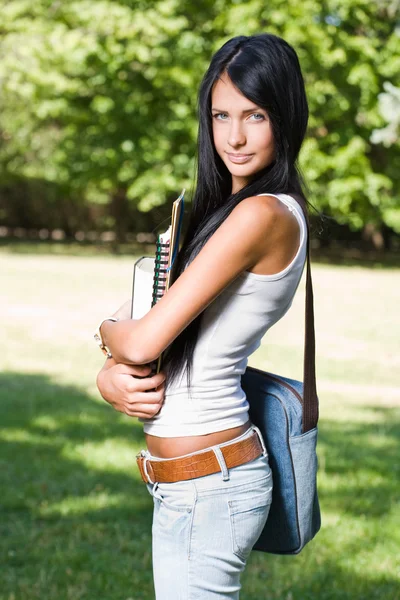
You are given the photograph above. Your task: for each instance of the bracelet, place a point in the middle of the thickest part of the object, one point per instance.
(99, 338)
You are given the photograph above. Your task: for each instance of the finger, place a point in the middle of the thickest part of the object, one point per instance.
(148, 383)
(139, 415)
(145, 411)
(142, 411)
(160, 388)
(117, 407)
(145, 398)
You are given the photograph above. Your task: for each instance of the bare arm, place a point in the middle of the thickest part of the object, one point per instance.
(253, 229)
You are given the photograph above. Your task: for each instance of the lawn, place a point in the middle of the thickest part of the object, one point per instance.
(75, 519)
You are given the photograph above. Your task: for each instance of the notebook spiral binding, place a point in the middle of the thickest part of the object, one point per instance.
(160, 271)
(159, 281)
(163, 275)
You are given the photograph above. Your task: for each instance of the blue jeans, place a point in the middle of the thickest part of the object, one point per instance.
(204, 528)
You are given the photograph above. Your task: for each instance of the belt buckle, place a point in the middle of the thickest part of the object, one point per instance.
(260, 437)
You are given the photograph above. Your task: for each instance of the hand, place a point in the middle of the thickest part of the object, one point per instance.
(128, 394)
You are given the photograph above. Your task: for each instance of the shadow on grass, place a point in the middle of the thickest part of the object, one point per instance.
(73, 525)
(76, 520)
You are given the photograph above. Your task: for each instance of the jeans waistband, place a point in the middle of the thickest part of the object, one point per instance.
(242, 436)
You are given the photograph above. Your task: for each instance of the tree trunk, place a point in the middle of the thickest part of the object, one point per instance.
(373, 235)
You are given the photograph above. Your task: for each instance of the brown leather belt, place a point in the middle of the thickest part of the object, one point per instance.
(200, 463)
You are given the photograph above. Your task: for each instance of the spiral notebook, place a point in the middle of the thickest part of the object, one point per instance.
(152, 276)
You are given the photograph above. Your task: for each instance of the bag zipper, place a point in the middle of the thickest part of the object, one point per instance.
(284, 383)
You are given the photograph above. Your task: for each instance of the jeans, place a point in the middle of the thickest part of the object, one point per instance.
(204, 528)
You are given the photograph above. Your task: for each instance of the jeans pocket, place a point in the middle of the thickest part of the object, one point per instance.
(179, 496)
(248, 516)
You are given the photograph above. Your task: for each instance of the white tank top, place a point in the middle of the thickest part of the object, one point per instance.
(232, 328)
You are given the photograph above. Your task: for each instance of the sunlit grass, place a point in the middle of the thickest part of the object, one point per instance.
(75, 517)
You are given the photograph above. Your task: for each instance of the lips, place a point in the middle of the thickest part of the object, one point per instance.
(239, 158)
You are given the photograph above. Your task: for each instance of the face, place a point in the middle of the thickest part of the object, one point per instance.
(240, 128)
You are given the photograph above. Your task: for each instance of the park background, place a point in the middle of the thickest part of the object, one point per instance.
(97, 138)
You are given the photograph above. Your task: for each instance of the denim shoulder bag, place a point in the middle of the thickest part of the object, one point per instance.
(286, 412)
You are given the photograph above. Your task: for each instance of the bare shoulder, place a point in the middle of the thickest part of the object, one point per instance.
(266, 214)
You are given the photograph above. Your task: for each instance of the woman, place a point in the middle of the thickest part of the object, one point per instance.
(238, 270)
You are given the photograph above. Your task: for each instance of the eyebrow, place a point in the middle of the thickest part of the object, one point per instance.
(248, 110)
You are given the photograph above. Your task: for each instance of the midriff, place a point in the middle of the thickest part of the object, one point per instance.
(177, 446)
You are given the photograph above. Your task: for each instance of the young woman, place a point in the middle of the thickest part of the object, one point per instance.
(238, 269)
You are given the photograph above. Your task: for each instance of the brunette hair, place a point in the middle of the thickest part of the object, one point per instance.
(266, 70)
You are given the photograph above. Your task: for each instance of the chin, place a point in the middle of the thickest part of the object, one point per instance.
(244, 168)
(243, 172)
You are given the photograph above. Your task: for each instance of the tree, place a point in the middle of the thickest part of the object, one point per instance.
(101, 96)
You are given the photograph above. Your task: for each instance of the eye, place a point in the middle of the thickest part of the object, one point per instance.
(218, 115)
(259, 115)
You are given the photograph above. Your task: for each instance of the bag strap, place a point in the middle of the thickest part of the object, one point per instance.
(310, 398)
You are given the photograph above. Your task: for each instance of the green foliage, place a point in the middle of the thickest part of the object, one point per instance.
(94, 97)
(101, 96)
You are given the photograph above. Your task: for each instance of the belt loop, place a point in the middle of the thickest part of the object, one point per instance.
(142, 458)
(145, 461)
(155, 486)
(265, 452)
(221, 461)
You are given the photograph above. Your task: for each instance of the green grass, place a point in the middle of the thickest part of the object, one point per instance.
(75, 519)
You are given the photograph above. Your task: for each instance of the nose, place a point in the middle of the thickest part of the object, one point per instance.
(236, 135)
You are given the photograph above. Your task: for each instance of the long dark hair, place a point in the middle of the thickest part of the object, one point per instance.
(266, 70)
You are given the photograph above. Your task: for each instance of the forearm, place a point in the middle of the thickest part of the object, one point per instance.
(123, 340)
